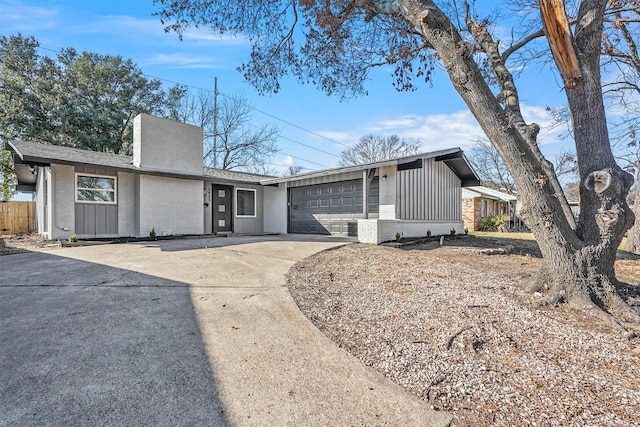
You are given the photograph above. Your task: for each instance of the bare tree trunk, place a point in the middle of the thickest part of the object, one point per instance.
(578, 263)
(633, 236)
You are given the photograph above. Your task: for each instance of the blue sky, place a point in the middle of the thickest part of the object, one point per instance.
(304, 115)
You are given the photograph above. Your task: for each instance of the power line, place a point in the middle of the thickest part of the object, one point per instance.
(256, 109)
(301, 143)
(299, 127)
(304, 160)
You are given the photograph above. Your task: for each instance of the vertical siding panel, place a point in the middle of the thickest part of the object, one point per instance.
(412, 192)
(442, 192)
(101, 220)
(435, 190)
(398, 198)
(446, 188)
(418, 193)
(79, 222)
(444, 196)
(450, 201)
(401, 198)
(423, 191)
(455, 202)
(407, 193)
(433, 196)
(426, 191)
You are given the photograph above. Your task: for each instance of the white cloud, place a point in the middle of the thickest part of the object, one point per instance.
(280, 166)
(204, 36)
(458, 129)
(343, 137)
(138, 30)
(436, 131)
(181, 60)
(18, 17)
(400, 121)
(287, 161)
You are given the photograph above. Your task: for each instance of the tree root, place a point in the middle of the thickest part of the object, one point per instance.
(620, 314)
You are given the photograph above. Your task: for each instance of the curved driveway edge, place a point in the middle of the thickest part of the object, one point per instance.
(268, 364)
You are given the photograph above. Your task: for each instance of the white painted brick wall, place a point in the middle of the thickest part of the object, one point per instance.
(387, 211)
(63, 201)
(126, 204)
(170, 206)
(380, 230)
(166, 145)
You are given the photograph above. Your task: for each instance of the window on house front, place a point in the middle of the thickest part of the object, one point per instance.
(485, 208)
(245, 202)
(95, 189)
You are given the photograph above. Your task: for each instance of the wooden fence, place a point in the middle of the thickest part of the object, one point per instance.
(17, 217)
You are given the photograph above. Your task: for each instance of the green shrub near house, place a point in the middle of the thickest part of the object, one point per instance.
(495, 223)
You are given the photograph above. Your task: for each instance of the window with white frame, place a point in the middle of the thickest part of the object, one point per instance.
(95, 189)
(245, 202)
(485, 208)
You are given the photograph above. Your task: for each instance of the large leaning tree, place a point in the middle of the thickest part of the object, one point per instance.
(334, 44)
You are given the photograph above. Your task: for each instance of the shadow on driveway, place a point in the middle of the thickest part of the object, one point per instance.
(87, 344)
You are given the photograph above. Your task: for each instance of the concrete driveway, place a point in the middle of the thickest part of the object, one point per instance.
(181, 332)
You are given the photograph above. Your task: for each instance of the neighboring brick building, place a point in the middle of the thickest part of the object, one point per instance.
(480, 202)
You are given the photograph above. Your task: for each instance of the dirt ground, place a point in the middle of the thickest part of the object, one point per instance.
(19, 243)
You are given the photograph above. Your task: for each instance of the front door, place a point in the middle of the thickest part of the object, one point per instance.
(222, 203)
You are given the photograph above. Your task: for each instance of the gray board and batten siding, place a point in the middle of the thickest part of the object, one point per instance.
(429, 192)
(96, 219)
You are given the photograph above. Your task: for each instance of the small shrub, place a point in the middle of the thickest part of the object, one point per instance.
(494, 223)
(398, 236)
(466, 231)
(73, 238)
(428, 233)
(152, 233)
(452, 232)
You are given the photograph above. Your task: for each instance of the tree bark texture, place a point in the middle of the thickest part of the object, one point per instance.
(633, 235)
(578, 262)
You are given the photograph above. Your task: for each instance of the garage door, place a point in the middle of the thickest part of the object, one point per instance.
(332, 208)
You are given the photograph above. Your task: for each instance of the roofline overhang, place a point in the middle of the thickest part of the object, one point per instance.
(46, 162)
(409, 161)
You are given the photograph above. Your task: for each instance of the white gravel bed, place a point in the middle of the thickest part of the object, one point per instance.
(452, 326)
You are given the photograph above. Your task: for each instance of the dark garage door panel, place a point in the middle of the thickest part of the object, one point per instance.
(329, 208)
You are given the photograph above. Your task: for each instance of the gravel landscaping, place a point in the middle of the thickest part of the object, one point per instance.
(454, 326)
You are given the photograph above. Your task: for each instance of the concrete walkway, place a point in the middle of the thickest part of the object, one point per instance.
(182, 332)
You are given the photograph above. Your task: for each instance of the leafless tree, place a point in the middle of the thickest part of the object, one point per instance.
(239, 144)
(293, 170)
(493, 172)
(490, 167)
(231, 141)
(621, 58)
(373, 148)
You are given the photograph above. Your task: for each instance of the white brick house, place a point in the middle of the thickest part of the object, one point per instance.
(163, 187)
